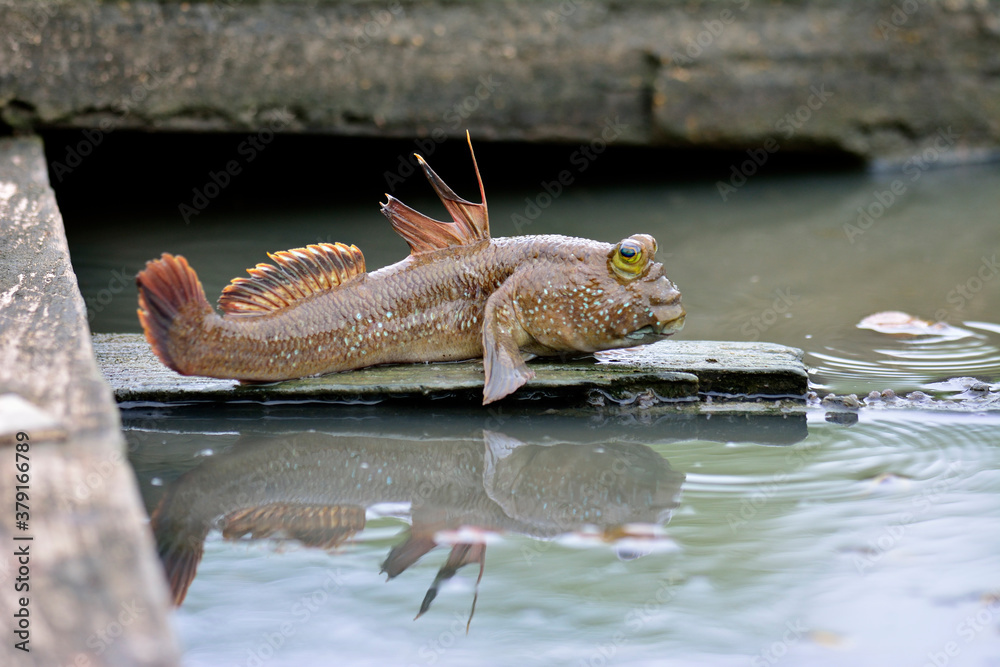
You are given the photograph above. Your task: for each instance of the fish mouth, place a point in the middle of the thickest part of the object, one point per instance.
(658, 330)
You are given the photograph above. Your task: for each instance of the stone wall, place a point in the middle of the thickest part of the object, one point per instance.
(872, 79)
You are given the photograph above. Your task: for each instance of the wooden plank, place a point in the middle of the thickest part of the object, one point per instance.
(95, 594)
(668, 371)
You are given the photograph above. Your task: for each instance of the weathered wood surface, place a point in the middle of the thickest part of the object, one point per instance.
(96, 595)
(671, 370)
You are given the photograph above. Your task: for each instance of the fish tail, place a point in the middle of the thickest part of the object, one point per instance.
(180, 564)
(180, 548)
(169, 294)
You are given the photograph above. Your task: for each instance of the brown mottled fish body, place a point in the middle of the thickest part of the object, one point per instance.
(320, 492)
(459, 295)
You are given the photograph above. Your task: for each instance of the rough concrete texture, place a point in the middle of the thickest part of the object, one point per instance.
(671, 370)
(96, 594)
(874, 79)
(45, 354)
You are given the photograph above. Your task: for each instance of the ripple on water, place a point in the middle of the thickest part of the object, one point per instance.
(891, 517)
(910, 363)
(850, 517)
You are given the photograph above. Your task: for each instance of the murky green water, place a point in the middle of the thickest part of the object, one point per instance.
(636, 539)
(788, 260)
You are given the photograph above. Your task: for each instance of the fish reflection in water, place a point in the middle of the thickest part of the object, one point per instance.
(317, 488)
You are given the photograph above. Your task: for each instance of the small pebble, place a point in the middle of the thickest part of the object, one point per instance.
(842, 418)
(851, 401)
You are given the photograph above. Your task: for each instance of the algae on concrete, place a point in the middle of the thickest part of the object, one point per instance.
(666, 371)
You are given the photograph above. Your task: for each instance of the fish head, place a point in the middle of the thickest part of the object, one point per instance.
(611, 297)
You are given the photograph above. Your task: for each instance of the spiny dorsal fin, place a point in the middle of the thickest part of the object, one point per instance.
(296, 274)
(320, 526)
(424, 234)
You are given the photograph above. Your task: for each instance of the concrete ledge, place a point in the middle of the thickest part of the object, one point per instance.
(873, 79)
(96, 594)
(667, 371)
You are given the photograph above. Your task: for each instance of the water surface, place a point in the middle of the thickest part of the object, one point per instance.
(874, 542)
(634, 538)
(786, 259)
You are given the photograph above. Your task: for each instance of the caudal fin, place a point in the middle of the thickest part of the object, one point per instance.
(180, 563)
(169, 290)
(180, 545)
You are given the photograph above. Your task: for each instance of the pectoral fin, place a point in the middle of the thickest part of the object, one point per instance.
(407, 553)
(503, 337)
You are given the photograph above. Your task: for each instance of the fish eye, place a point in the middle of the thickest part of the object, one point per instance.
(630, 251)
(628, 258)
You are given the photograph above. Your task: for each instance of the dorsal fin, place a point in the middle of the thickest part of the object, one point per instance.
(320, 526)
(296, 274)
(423, 234)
